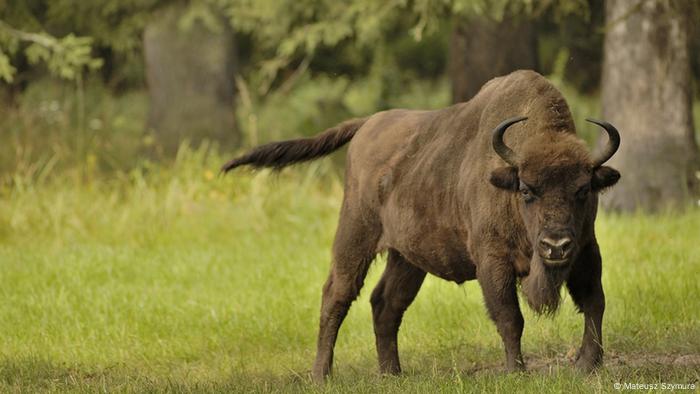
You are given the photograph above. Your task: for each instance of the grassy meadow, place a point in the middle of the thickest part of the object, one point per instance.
(170, 278)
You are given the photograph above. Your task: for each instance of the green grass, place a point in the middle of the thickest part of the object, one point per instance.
(173, 279)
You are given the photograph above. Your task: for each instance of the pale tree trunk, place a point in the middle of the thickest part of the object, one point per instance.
(481, 49)
(646, 94)
(190, 75)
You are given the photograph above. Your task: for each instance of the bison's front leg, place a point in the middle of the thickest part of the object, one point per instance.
(587, 292)
(497, 280)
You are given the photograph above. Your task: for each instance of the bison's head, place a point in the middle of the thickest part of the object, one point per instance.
(556, 181)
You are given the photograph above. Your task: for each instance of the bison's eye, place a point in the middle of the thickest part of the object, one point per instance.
(526, 192)
(582, 193)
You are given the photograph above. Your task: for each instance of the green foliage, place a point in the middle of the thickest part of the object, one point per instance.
(284, 30)
(64, 57)
(7, 71)
(62, 34)
(116, 24)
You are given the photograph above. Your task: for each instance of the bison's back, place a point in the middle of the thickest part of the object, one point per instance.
(434, 144)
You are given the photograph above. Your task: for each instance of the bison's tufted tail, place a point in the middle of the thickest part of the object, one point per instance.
(283, 153)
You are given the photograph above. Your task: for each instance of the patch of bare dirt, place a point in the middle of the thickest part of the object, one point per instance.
(618, 360)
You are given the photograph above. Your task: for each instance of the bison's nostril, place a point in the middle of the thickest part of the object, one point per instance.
(566, 246)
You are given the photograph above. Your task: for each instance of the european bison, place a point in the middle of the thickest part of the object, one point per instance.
(446, 193)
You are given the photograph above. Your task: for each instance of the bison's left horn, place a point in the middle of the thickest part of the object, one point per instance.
(613, 142)
(499, 146)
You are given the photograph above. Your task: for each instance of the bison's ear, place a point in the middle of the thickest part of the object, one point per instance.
(505, 178)
(604, 177)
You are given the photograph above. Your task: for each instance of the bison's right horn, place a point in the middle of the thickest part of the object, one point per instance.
(613, 142)
(499, 146)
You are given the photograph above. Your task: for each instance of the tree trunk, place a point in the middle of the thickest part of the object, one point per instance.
(481, 49)
(190, 75)
(646, 94)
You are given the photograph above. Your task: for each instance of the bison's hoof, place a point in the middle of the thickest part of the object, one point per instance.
(319, 376)
(518, 366)
(587, 363)
(318, 379)
(390, 371)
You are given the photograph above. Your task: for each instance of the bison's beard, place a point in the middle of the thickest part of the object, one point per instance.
(542, 286)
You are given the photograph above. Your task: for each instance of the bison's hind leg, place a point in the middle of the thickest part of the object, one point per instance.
(354, 249)
(394, 293)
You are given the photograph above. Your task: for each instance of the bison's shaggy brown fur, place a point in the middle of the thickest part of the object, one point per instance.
(433, 189)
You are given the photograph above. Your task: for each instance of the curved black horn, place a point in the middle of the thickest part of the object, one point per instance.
(613, 142)
(499, 146)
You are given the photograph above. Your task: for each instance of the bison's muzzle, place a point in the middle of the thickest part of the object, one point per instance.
(556, 250)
